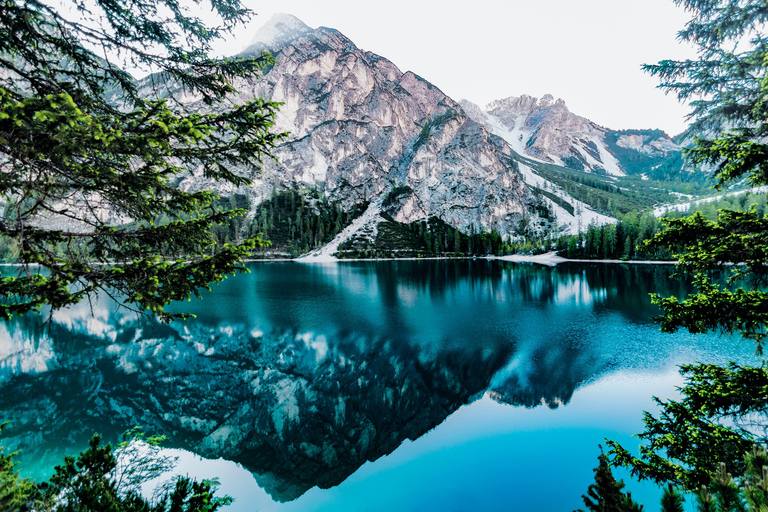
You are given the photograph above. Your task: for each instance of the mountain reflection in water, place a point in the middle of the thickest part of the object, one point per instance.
(302, 373)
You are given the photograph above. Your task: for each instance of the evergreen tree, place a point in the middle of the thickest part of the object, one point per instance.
(16, 493)
(692, 439)
(730, 108)
(705, 501)
(728, 497)
(672, 500)
(79, 142)
(101, 479)
(457, 241)
(606, 494)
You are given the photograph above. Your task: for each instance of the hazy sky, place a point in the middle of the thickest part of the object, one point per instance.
(587, 52)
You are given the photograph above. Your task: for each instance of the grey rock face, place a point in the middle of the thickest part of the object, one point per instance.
(647, 144)
(544, 129)
(360, 127)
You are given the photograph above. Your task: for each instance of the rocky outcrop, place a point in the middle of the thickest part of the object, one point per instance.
(646, 144)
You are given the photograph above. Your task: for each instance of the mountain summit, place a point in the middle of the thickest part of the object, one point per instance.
(279, 29)
(368, 137)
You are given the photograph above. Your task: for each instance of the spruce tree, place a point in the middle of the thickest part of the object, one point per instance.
(672, 500)
(606, 494)
(89, 158)
(726, 86)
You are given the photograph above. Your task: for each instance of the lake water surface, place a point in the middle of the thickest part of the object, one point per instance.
(466, 385)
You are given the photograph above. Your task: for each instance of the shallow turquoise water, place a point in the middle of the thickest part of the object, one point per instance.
(393, 385)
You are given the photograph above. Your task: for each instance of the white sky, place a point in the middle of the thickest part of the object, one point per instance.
(587, 52)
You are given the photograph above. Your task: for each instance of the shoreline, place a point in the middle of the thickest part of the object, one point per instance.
(550, 259)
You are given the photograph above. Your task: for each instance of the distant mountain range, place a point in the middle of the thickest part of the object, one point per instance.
(544, 129)
(365, 133)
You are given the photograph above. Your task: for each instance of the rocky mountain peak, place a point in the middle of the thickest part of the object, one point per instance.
(548, 100)
(279, 29)
(545, 130)
(514, 106)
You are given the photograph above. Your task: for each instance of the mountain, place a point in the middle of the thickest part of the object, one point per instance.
(368, 138)
(383, 158)
(361, 129)
(545, 130)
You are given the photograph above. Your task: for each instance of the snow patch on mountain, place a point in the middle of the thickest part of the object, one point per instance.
(370, 217)
(545, 130)
(662, 210)
(583, 215)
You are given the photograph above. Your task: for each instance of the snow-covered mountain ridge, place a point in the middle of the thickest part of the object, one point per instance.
(545, 130)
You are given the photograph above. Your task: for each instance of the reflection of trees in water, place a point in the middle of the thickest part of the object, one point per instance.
(620, 287)
(305, 407)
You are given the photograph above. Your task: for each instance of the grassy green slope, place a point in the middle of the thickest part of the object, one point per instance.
(618, 195)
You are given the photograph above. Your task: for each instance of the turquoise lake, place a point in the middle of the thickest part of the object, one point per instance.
(467, 385)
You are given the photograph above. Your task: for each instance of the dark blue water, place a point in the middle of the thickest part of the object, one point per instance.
(397, 385)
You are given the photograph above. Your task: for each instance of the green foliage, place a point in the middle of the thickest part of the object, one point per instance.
(689, 439)
(295, 222)
(723, 408)
(726, 85)
(556, 199)
(705, 501)
(617, 196)
(528, 246)
(739, 202)
(623, 240)
(574, 162)
(394, 195)
(594, 190)
(672, 500)
(707, 247)
(747, 493)
(543, 209)
(424, 238)
(101, 479)
(658, 167)
(606, 494)
(89, 164)
(754, 484)
(16, 493)
(726, 491)
(630, 238)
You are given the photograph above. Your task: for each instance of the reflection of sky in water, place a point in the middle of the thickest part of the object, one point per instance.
(582, 328)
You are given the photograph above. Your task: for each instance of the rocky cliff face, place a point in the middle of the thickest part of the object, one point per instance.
(544, 129)
(360, 127)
